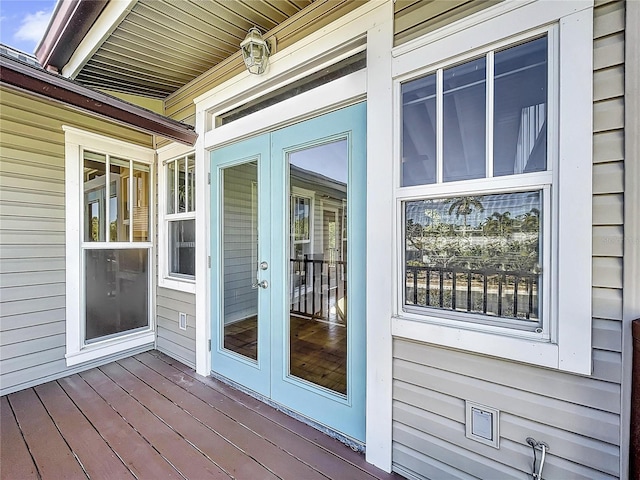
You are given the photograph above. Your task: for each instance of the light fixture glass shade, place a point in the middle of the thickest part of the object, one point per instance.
(255, 52)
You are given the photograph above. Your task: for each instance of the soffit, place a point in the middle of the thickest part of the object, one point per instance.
(162, 45)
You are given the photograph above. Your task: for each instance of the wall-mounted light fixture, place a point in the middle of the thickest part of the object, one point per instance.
(255, 51)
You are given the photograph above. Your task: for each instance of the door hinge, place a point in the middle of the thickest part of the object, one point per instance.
(209, 178)
(209, 261)
(209, 344)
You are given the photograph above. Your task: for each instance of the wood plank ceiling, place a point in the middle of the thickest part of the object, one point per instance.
(162, 45)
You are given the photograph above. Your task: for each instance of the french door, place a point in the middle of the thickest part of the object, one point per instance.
(288, 279)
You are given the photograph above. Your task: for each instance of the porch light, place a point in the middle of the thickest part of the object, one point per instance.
(255, 51)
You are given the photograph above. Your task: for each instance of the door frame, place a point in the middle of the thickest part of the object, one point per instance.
(368, 27)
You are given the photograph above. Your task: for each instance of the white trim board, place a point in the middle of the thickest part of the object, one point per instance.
(104, 26)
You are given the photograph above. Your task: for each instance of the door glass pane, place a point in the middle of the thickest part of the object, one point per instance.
(95, 182)
(140, 202)
(240, 242)
(464, 121)
(317, 266)
(117, 300)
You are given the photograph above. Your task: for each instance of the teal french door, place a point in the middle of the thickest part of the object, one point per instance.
(288, 267)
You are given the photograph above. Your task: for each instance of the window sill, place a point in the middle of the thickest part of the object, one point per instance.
(535, 352)
(110, 347)
(182, 285)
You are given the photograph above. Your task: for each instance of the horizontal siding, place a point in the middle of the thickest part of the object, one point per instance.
(578, 416)
(415, 18)
(170, 339)
(32, 234)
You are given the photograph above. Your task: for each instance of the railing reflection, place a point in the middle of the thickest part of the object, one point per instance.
(318, 289)
(512, 294)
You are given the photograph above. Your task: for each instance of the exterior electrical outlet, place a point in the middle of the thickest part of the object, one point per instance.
(182, 321)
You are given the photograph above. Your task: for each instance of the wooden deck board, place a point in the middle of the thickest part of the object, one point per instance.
(301, 430)
(297, 447)
(149, 416)
(139, 456)
(16, 459)
(205, 437)
(97, 457)
(175, 449)
(50, 452)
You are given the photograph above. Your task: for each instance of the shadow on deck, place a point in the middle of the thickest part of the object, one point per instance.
(149, 416)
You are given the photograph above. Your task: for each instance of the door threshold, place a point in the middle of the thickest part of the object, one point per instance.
(355, 445)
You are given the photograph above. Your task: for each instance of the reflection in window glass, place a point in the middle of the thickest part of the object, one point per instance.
(95, 181)
(119, 200)
(520, 113)
(182, 248)
(182, 185)
(475, 254)
(140, 202)
(116, 291)
(171, 187)
(318, 325)
(191, 183)
(464, 121)
(419, 131)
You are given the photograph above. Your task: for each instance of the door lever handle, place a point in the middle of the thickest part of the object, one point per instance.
(262, 284)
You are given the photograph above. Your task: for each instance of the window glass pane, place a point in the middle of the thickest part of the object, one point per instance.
(191, 201)
(95, 181)
(140, 201)
(182, 248)
(117, 283)
(419, 131)
(520, 115)
(171, 187)
(300, 218)
(475, 254)
(464, 104)
(182, 194)
(119, 200)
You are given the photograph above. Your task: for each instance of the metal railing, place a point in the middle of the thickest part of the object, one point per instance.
(318, 289)
(496, 292)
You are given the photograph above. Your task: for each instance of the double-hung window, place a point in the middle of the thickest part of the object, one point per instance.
(489, 172)
(177, 206)
(109, 246)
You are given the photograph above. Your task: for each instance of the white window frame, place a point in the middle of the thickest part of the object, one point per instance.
(77, 141)
(565, 342)
(165, 280)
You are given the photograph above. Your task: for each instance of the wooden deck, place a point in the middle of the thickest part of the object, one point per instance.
(149, 416)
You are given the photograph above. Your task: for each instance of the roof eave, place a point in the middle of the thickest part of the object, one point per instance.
(70, 22)
(54, 87)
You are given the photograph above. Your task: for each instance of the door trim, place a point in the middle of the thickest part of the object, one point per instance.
(374, 20)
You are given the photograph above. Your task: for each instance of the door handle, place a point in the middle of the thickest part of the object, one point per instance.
(262, 284)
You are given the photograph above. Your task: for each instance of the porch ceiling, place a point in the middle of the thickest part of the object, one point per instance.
(161, 45)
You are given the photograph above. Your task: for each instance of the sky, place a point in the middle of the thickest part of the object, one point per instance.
(23, 22)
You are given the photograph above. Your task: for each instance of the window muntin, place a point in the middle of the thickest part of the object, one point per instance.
(466, 125)
(180, 217)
